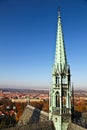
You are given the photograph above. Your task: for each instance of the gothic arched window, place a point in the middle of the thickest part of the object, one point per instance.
(57, 99)
(64, 94)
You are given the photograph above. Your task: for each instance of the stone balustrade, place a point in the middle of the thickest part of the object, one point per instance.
(63, 111)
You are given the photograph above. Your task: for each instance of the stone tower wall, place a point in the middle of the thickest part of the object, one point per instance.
(75, 127)
(32, 115)
(46, 125)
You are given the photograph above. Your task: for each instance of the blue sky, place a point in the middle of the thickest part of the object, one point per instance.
(28, 38)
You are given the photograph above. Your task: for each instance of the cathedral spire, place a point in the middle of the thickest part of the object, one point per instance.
(60, 93)
(60, 55)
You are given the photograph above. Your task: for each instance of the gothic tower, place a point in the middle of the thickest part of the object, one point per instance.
(60, 93)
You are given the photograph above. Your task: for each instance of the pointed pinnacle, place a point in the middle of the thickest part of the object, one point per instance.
(60, 56)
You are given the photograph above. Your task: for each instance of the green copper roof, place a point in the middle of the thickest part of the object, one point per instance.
(60, 55)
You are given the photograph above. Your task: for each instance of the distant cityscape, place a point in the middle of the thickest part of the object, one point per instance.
(80, 96)
(24, 95)
(13, 102)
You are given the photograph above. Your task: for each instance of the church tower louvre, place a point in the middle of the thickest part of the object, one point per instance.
(60, 92)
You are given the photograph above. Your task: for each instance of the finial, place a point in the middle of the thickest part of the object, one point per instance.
(58, 11)
(59, 8)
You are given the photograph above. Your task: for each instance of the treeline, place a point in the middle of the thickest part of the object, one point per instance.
(80, 106)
